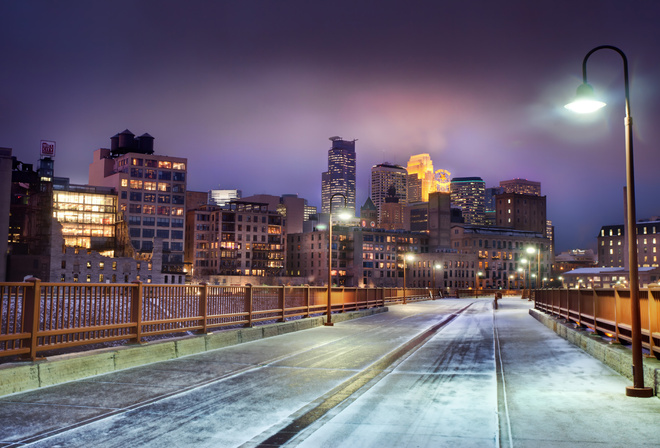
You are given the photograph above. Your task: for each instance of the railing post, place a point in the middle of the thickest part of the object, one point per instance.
(32, 314)
(307, 299)
(652, 310)
(136, 309)
(617, 301)
(248, 304)
(203, 306)
(282, 300)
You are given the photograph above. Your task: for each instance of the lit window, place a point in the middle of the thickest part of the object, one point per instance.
(124, 182)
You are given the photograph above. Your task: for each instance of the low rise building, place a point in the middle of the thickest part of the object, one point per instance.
(500, 253)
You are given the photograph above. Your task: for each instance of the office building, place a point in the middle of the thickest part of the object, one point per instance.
(468, 194)
(500, 252)
(521, 186)
(613, 245)
(221, 197)
(384, 177)
(361, 256)
(241, 239)
(522, 212)
(340, 177)
(151, 195)
(421, 178)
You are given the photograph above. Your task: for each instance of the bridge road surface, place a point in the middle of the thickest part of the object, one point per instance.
(444, 373)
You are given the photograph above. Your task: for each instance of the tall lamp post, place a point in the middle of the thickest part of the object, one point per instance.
(328, 320)
(532, 250)
(406, 257)
(585, 103)
(521, 272)
(435, 268)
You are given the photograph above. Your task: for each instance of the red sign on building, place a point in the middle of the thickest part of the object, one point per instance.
(47, 148)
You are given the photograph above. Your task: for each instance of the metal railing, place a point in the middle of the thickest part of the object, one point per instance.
(605, 311)
(37, 316)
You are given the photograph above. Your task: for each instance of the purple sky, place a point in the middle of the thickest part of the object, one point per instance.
(250, 91)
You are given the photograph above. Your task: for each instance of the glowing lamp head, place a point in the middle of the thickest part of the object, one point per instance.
(585, 100)
(531, 250)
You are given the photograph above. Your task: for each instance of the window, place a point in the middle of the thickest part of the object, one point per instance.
(136, 162)
(163, 198)
(179, 166)
(150, 186)
(177, 234)
(134, 208)
(136, 172)
(134, 220)
(124, 182)
(148, 221)
(147, 233)
(136, 184)
(162, 233)
(178, 188)
(149, 209)
(149, 197)
(178, 199)
(176, 222)
(163, 210)
(163, 222)
(136, 196)
(150, 174)
(164, 175)
(151, 163)
(164, 164)
(179, 177)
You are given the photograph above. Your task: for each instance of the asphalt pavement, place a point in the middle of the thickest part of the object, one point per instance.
(450, 372)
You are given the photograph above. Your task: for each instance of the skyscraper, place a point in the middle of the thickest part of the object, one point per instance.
(340, 177)
(383, 178)
(421, 179)
(467, 193)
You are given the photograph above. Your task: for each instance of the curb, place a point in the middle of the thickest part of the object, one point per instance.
(612, 354)
(28, 375)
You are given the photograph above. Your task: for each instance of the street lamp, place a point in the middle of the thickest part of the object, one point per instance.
(406, 257)
(435, 268)
(532, 250)
(509, 285)
(479, 275)
(521, 272)
(585, 103)
(525, 283)
(328, 321)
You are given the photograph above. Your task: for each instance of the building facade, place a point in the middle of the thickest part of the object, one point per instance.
(521, 186)
(361, 256)
(151, 195)
(612, 245)
(384, 177)
(501, 252)
(241, 239)
(522, 212)
(340, 177)
(468, 194)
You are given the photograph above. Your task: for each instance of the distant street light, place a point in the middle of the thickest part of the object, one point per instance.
(328, 320)
(436, 267)
(406, 257)
(585, 103)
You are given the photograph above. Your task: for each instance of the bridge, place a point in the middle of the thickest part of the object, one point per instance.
(450, 372)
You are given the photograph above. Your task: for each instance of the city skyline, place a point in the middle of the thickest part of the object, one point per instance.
(249, 93)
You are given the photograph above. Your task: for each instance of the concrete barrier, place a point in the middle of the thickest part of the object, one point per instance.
(27, 375)
(612, 354)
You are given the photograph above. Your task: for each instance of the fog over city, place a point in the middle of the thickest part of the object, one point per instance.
(249, 92)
